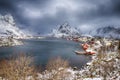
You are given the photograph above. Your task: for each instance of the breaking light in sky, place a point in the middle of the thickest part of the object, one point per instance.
(43, 15)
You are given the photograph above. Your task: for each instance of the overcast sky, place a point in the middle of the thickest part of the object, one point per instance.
(43, 15)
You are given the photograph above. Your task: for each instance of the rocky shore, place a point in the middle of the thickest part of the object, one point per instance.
(105, 66)
(9, 42)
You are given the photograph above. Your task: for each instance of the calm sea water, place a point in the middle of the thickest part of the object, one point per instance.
(44, 49)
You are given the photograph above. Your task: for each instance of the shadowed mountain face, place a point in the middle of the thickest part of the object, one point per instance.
(65, 30)
(108, 31)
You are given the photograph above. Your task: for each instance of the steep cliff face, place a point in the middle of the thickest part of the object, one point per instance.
(9, 28)
(65, 30)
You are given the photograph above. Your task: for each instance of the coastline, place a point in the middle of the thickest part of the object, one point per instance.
(5, 42)
(14, 41)
(105, 64)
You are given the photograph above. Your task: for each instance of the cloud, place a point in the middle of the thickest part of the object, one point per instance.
(50, 9)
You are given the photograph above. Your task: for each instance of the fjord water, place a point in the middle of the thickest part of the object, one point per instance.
(44, 49)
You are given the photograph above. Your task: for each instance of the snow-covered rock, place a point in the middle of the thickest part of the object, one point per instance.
(65, 30)
(9, 32)
(9, 28)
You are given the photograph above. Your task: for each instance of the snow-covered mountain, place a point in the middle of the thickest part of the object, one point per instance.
(65, 30)
(9, 28)
(108, 31)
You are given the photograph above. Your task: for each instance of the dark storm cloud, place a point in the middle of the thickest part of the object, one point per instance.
(116, 5)
(102, 8)
(6, 5)
(43, 15)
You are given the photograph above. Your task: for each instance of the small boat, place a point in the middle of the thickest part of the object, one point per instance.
(80, 52)
(84, 53)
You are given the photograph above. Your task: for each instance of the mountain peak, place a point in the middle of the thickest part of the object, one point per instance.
(65, 30)
(65, 25)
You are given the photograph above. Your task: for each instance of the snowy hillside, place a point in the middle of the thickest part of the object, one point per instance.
(109, 31)
(9, 28)
(65, 30)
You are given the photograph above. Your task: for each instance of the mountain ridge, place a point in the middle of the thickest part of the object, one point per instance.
(107, 31)
(65, 30)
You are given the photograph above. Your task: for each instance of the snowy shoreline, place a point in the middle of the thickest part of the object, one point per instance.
(5, 42)
(97, 69)
(105, 65)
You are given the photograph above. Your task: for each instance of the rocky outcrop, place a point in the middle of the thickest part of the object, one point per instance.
(9, 32)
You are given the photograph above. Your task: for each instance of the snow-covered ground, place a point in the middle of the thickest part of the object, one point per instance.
(9, 42)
